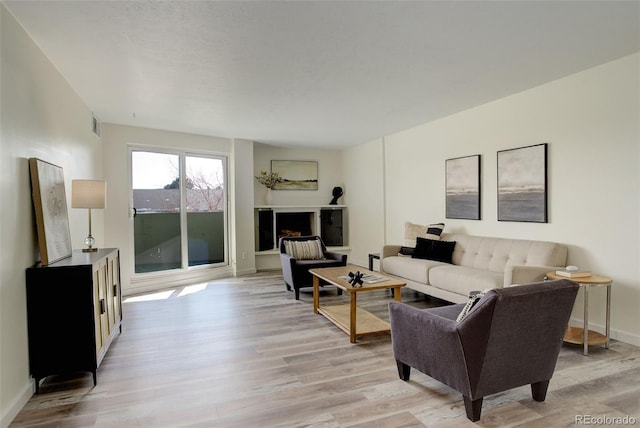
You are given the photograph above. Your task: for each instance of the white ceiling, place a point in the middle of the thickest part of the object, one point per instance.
(316, 73)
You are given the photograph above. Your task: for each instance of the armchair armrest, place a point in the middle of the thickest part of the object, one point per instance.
(429, 343)
(525, 274)
(336, 256)
(288, 267)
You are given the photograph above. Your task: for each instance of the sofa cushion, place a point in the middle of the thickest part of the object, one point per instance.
(304, 250)
(462, 280)
(412, 231)
(440, 251)
(413, 269)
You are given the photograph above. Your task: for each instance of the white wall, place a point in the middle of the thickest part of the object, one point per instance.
(591, 121)
(41, 117)
(118, 221)
(364, 175)
(242, 207)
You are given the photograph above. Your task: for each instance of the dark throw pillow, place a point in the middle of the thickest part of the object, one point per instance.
(430, 249)
(406, 251)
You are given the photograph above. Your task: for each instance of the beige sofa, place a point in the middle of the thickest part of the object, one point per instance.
(478, 263)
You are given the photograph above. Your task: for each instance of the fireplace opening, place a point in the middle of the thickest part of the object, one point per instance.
(272, 224)
(294, 224)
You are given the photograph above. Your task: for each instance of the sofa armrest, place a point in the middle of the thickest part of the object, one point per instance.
(389, 250)
(525, 274)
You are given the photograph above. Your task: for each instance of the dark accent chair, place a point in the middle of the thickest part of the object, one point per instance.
(296, 272)
(511, 337)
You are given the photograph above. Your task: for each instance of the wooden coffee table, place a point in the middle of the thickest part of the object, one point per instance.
(350, 318)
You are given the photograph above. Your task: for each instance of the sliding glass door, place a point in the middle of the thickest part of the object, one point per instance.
(179, 202)
(205, 203)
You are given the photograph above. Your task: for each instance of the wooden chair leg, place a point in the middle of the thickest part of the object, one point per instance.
(473, 408)
(404, 370)
(539, 390)
(296, 291)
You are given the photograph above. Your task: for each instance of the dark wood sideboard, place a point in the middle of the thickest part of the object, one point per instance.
(74, 311)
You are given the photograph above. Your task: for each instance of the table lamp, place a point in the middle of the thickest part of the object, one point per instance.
(88, 194)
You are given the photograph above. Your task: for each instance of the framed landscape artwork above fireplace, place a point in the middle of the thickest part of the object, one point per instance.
(296, 175)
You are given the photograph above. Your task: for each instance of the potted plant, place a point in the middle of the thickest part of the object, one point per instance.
(268, 180)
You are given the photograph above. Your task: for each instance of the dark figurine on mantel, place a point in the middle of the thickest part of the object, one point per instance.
(337, 193)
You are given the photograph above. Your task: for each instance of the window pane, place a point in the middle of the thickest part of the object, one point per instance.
(156, 199)
(205, 200)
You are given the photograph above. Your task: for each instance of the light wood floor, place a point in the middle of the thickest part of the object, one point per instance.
(242, 352)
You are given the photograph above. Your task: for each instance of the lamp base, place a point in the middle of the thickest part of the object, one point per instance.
(89, 241)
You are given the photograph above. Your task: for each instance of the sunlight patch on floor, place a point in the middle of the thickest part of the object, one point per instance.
(167, 294)
(190, 289)
(160, 295)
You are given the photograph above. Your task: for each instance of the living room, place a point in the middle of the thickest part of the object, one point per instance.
(588, 118)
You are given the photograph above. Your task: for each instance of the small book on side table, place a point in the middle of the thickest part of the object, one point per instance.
(573, 273)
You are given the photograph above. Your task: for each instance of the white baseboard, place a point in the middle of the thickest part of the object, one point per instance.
(622, 336)
(18, 403)
(246, 272)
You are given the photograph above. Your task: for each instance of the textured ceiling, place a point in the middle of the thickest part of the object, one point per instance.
(316, 73)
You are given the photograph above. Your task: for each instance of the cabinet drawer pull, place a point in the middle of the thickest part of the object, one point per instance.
(102, 307)
(115, 290)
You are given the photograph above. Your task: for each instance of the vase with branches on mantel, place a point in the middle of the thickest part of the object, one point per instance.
(268, 180)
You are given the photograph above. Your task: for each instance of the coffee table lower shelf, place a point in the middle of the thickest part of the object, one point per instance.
(366, 322)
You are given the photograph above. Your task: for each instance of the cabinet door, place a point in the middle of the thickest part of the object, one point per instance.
(331, 227)
(115, 287)
(102, 301)
(97, 308)
(110, 294)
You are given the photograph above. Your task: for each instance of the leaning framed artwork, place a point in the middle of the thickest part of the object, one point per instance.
(296, 175)
(50, 207)
(522, 184)
(462, 188)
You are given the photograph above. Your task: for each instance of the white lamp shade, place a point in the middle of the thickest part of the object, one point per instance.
(88, 193)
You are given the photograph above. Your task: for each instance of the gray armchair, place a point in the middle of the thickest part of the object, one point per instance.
(511, 337)
(296, 271)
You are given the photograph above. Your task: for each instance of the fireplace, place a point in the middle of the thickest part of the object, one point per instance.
(272, 223)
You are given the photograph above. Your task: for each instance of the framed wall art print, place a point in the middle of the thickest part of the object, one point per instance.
(462, 188)
(50, 207)
(522, 184)
(296, 175)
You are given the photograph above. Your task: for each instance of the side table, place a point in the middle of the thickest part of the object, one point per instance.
(373, 256)
(584, 336)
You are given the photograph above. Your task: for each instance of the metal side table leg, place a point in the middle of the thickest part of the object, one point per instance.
(586, 321)
(608, 325)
